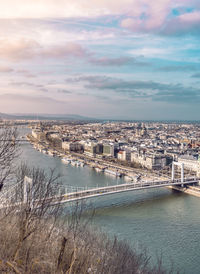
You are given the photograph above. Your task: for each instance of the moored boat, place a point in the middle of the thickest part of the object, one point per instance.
(97, 169)
(112, 172)
(73, 163)
(66, 160)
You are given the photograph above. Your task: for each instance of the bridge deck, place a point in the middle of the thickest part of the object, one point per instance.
(100, 191)
(108, 190)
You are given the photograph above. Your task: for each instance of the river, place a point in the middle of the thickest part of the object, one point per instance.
(160, 220)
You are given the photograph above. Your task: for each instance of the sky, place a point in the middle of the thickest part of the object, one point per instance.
(124, 59)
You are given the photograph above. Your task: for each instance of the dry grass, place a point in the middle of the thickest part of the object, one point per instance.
(72, 248)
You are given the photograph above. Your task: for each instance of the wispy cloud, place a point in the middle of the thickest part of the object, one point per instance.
(14, 102)
(131, 52)
(24, 49)
(6, 69)
(64, 91)
(120, 61)
(26, 84)
(137, 16)
(30, 98)
(18, 49)
(196, 75)
(142, 89)
(180, 68)
(25, 73)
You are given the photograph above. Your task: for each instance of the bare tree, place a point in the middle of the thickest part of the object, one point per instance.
(36, 238)
(36, 201)
(8, 152)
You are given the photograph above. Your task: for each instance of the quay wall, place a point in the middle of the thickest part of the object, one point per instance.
(191, 190)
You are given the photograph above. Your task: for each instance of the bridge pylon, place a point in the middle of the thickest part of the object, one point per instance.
(181, 165)
(27, 188)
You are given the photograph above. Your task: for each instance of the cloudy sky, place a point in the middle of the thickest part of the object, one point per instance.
(128, 59)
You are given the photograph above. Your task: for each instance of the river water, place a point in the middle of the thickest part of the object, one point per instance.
(163, 221)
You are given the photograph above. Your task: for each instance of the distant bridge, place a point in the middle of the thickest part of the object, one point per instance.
(72, 193)
(80, 193)
(86, 193)
(14, 140)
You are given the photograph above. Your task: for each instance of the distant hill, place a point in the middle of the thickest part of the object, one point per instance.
(75, 117)
(30, 116)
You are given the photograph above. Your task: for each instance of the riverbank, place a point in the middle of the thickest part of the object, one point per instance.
(109, 168)
(99, 165)
(191, 190)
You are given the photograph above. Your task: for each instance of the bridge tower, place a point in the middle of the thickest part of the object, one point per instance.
(181, 165)
(198, 169)
(27, 188)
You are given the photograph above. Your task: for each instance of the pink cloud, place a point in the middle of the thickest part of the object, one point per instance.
(156, 20)
(18, 49)
(22, 49)
(25, 103)
(134, 24)
(25, 73)
(6, 69)
(188, 22)
(138, 15)
(151, 16)
(66, 8)
(193, 17)
(106, 61)
(70, 49)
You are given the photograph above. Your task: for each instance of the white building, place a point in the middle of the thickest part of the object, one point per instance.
(190, 162)
(38, 134)
(150, 161)
(124, 155)
(72, 146)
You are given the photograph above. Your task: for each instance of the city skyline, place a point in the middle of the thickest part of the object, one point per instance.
(124, 60)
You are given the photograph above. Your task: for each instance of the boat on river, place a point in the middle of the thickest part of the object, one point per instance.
(44, 150)
(112, 172)
(97, 169)
(66, 160)
(73, 163)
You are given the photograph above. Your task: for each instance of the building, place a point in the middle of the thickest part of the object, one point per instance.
(190, 162)
(99, 148)
(90, 149)
(124, 155)
(72, 146)
(39, 135)
(121, 155)
(150, 161)
(109, 150)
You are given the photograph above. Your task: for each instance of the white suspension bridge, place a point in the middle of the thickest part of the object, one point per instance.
(72, 193)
